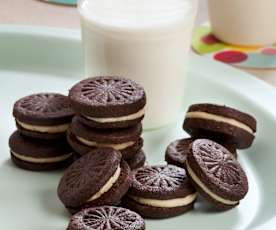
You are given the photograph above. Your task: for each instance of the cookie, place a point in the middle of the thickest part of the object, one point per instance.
(43, 115)
(39, 155)
(176, 152)
(216, 174)
(137, 161)
(106, 218)
(108, 102)
(83, 149)
(84, 138)
(220, 123)
(98, 178)
(160, 192)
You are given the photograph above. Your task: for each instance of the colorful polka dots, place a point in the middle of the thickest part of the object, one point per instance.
(230, 57)
(205, 43)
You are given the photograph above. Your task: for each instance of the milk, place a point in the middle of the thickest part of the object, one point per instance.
(244, 22)
(147, 41)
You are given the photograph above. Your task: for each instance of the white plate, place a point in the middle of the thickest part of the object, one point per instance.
(44, 59)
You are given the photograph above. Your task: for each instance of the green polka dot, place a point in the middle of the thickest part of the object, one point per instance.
(66, 2)
(199, 46)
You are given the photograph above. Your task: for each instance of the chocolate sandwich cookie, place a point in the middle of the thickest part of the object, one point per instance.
(38, 154)
(216, 174)
(220, 123)
(82, 149)
(43, 115)
(108, 102)
(83, 138)
(137, 161)
(106, 218)
(176, 152)
(98, 178)
(160, 192)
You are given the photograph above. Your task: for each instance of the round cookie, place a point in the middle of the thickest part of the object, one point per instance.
(137, 161)
(83, 149)
(113, 196)
(176, 152)
(216, 174)
(108, 102)
(99, 178)
(43, 115)
(160, 192)
(39, 155)
(220, 123)
(106, 218)
(124, 140)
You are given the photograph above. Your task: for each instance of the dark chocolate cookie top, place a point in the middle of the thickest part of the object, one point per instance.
(106, 218)
(218, 168)
(177, 151)
(107, 96)
(86, 176)
(43, 109)
(160, 182)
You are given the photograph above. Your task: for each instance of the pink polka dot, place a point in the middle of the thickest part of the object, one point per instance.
(209, 39)
(269, 51)
(230, 57)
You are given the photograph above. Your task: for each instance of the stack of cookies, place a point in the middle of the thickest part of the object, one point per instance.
(101, 119)
(109, 111)
(40, 140)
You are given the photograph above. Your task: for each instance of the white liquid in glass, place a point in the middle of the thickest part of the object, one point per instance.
(145, 40)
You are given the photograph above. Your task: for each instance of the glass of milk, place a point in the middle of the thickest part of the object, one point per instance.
(244, 22)
(144, 40)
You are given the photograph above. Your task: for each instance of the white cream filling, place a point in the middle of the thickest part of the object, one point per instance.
(108, 185)
(171, 203)
(42, 160)
(214, 117)
(102, 145)
(130, 117)
(44, 129)
(206, 190)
